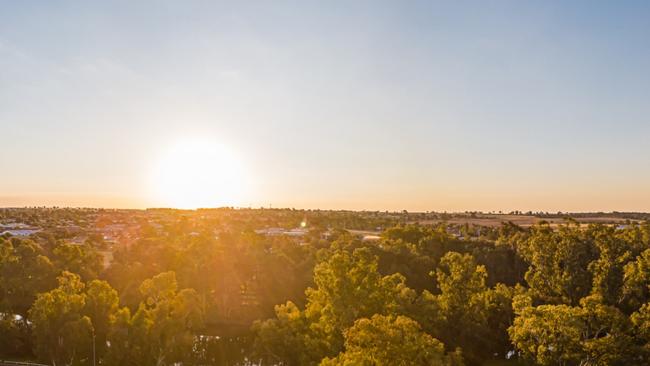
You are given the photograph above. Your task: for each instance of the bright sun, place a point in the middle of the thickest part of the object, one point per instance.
(195, 174)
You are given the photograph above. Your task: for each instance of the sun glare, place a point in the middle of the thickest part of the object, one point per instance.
(195, 174)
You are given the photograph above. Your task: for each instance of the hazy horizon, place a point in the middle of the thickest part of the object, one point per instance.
(273, 207)
(423, 106)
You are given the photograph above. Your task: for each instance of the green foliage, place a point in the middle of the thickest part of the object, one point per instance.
(348, 287)
(163, 329)
(80, 259)
(466, 314)
(25, 271)
(608, 269)
(498, 302)
(641, 322)
(590, 334)
(636, 282)
(289, 338)
(124, 343)
(72, 319)
(391, 340)
(102, 303)
(559, 260)
(187, 291)
(62, 332)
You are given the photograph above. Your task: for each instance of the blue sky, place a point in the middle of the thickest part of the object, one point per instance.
(459, 105)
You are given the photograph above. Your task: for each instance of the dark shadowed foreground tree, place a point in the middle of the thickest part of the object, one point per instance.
(72, 319)
(466, 313)
(162, 331)
(25, 271)
(101, 306)
(63, 334)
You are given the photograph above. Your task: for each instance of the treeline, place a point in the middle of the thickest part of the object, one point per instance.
(171, 297)
(566, 295)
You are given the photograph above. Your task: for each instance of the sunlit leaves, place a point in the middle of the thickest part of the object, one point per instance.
(391, 340)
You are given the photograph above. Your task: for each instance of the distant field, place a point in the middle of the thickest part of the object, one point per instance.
(521, 220)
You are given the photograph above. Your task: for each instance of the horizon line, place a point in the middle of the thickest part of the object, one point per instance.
(490, 212)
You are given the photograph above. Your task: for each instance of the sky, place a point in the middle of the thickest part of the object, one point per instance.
(376, 105)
